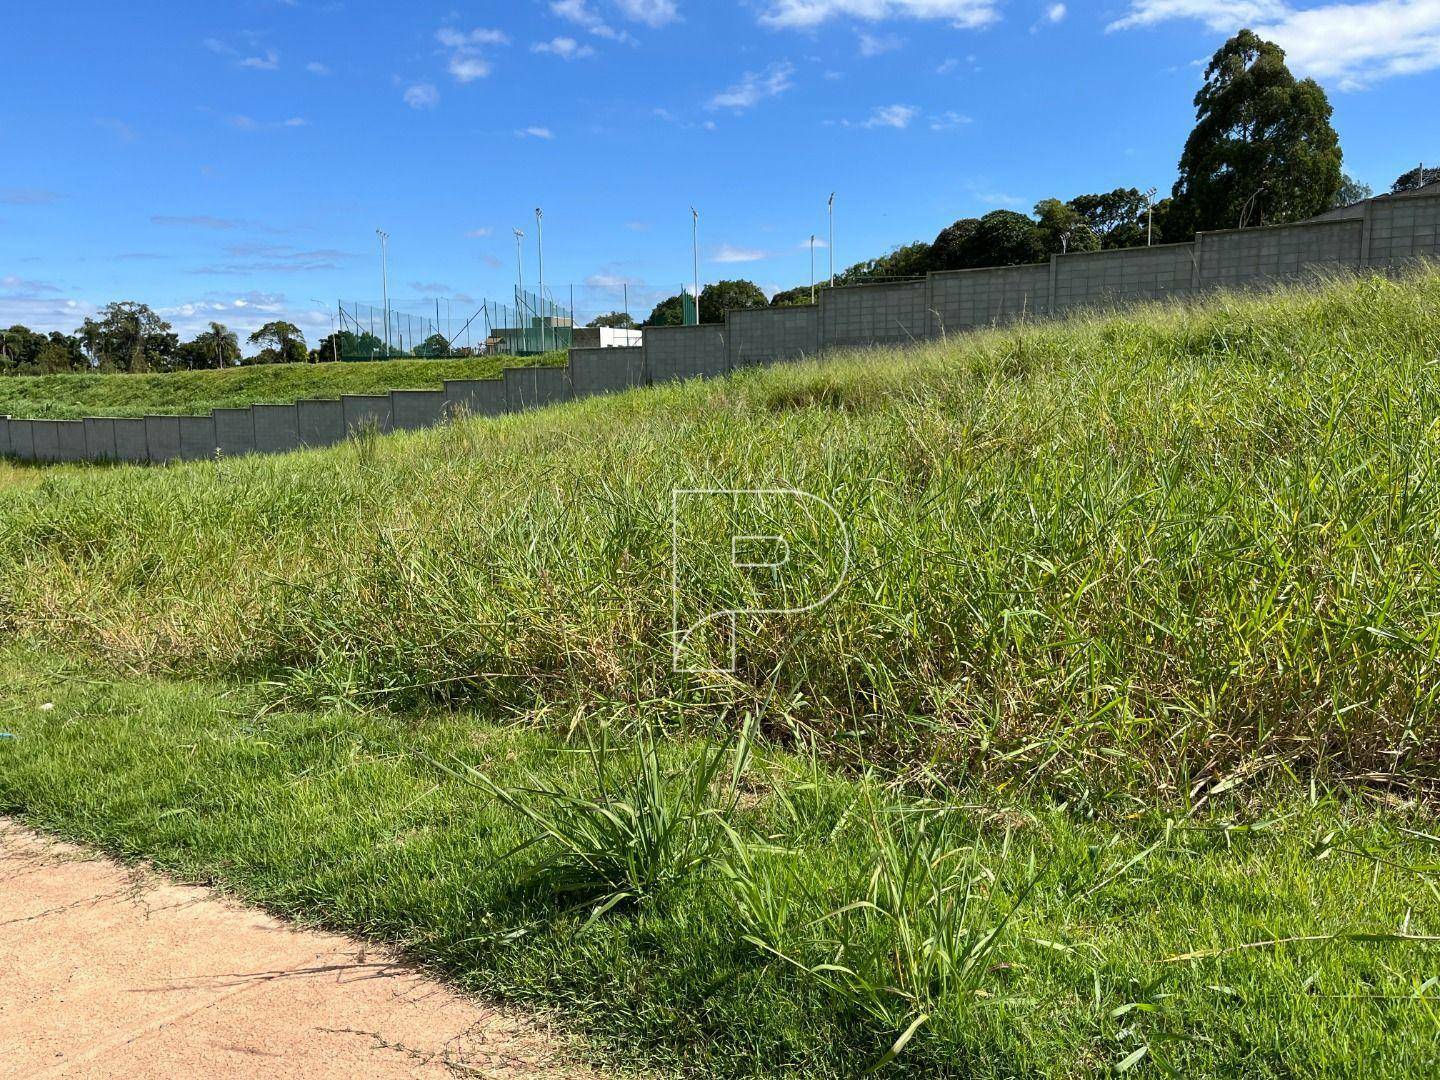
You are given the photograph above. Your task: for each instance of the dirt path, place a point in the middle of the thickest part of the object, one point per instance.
(112, 972)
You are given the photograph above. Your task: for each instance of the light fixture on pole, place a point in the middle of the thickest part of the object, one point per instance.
(832, 239)
(1150, 217)
(812, 268)
(695, 245)
(519, 277)
(385, 282)
(540, 246)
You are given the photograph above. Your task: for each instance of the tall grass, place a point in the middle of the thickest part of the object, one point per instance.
(1164, 554)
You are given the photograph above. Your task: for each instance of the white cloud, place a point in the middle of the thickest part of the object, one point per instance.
(422, 96)
(567, 48)
(269, 61)
(649, 12)
(480, 233)
(317, 68)
(754, 88)
(1054, 15)
(535, 133)
(879, 44)
(587, 18)
(470, 39)
(467, 63)
(1354, 45)
(466, 69)
(728, 253)
(892, 116)
(249, 123)
(948, 121)
(803, 14)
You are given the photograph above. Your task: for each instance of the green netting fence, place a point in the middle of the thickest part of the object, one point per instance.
(530, 325)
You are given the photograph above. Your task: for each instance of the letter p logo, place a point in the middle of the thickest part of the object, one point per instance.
(754, 553)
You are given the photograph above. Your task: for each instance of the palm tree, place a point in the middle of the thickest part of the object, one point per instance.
(221, 343)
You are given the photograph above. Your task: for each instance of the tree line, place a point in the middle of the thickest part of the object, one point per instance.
(1263, 152)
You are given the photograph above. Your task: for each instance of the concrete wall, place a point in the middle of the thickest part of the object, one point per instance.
(606, 371)
(1099, 278)
(772, 335)
(162, 436)
(277, 428)
(4, 436)
(234, 432)
(873, 315)
(22, 439)
(99, 438)
(536, 387)
(475, 397)
(197, 438)
(686, 352)
(965, 299)
(70, 437)
(366, 411)
(320, 422)
(1283, 253)
(1402, 229)
(46, 439)
(131, 443)
(412, 410)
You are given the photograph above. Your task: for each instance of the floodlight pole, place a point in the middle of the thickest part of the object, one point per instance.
(1150, 217)
(540, 243)
(695, 245)
(812, 268)
(385, 283)
(519, 272)
(832, 239)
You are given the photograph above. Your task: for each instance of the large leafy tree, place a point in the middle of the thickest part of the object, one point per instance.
(216, 347)
(1003, 238)
(1064, 229)
(280, 343)
(436, 345)
(948, 250)
(799, 296)
(1352, 191)
(721, 296)
(669, 312)
(1417, 177)
(1120, 218)
(28, 352)
(905, 261)
(1263, 150)
(129, 337)
(614, 320)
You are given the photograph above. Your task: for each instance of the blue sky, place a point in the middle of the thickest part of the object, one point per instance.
(233, 160)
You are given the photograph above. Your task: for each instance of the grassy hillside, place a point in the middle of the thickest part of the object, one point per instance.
(70, 397)
(1117, 746)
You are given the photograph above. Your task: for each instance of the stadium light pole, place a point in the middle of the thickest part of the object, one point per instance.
(1150, 217)
(385, 282)
(540, 244)
(519, 278)
(832, 239)
(695, 246)
(812, 268)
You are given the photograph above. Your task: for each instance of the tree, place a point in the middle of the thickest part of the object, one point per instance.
(799, 296)
(215, 348)
(436, 345)
(129, 337)
(282, 343)
(1416, 178)
(721, 296)
(905, 261)
(669, 312)
(1063, 228)
(1263, 150)
(1003, 238)
(615, 320)
(1351, 192)
(1120, 218)
(947, 251)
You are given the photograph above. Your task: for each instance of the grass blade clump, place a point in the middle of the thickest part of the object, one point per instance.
(646, 819)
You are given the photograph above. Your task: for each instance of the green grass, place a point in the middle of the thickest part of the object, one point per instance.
(1117, 745)
(1278, 944)
(70, 397)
